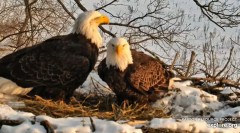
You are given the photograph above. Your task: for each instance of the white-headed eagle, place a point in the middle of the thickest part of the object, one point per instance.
(133, 75)
(55, 67)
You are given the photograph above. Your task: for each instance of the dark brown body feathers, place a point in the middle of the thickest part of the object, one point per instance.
(54, 68)
(139, 82)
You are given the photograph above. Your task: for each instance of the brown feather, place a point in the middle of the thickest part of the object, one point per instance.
(54, 68)
(140, 81)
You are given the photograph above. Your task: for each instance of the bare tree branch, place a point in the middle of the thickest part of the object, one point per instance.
(219, 13)
(225, 66)
(104, 6)
(79, 4)
(65, 9)
(84, 9)
(174, 60)
(222, 82)
(193, 56)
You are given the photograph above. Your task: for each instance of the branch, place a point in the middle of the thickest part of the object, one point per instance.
(193, 55)
(223, 82)
(13, 34)
(100, 8)
(228, 17)
(229, 59)
(49, 128)
(92, 125)
(155, 56)
(79, 4)
(10, 122)
(66, 10)
(28, 8)
(174, 61)
(23, 27)
(207, 15)
(106, 31)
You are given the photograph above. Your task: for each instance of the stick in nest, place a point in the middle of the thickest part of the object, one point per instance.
(10, 122)
(92, 124)
(49, 128)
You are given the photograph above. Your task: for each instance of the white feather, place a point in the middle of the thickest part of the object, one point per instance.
(85, 26)
(119, 61)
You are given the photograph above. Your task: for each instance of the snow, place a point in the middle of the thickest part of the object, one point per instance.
(195, 110)
(188, 100)
(195, 125)
(234, 112)
(184, 101)
(6, 112)
(94, 82)
(230, 90)
(26, 127)
(61, 125)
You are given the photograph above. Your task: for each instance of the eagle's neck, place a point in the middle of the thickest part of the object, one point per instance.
(90, 31)
(119, 61)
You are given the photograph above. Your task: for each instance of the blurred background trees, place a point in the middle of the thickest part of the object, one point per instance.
(168, 30)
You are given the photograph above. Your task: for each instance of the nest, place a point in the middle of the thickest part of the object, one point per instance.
(92, 105)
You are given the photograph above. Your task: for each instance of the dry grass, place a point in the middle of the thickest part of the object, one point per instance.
(56, 109)
(89, 107)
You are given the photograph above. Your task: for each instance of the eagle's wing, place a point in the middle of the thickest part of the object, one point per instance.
(145, 73)
(48, 64)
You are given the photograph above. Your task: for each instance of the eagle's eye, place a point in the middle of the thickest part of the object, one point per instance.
(112, 45)
(124, 45)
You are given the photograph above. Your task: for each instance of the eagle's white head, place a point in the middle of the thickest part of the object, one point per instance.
(118, 53)
(87, 24)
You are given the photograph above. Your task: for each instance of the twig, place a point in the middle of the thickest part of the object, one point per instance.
(223, 82)
(106, 31)
(174, 61)
(49, 128)
(229, 59)
(13, 34)
(100, 8)
(193, 55)
(206, 73)
(203, 10)
(226, 17)
(137, 122)
(100, 84)
(28, 9)
(66, 10)
(96, 88)
(155, 56)
(79, 4)
(10, 122)
(92, 125)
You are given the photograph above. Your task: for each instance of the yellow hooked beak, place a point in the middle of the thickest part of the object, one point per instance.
(119, 49)
(102, 20)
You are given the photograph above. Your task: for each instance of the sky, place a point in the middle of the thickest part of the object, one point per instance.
(200, 35)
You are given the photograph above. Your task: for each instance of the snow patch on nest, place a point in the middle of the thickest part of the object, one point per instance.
(187, 100)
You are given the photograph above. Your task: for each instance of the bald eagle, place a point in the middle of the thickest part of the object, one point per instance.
(55, 67)
(132, 75)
